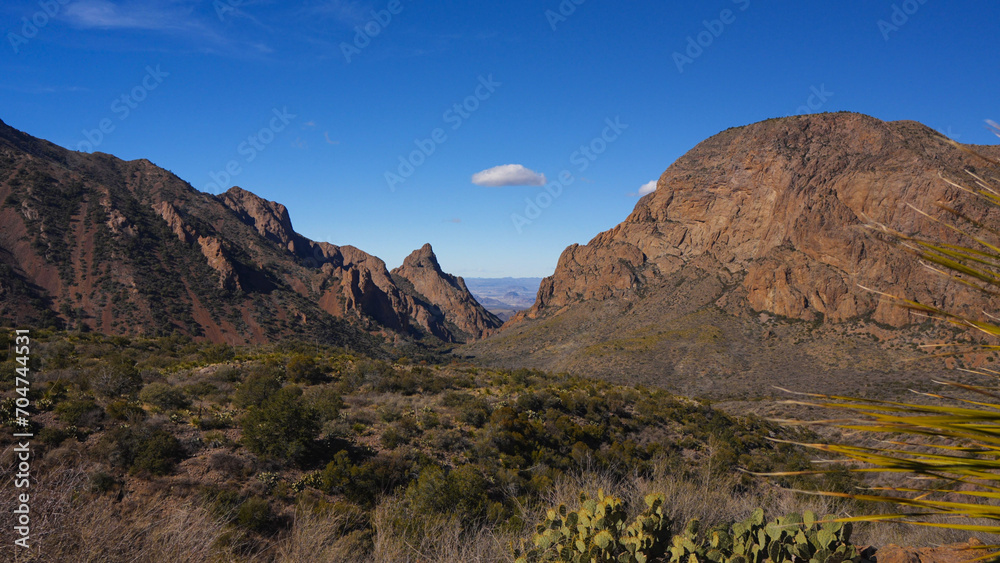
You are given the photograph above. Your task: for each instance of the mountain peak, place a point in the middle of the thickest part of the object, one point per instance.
(270, 218)
(429, 282)
(422, 257)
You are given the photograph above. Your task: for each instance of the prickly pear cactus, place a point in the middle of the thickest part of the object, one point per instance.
(598, 533)
(792, 538)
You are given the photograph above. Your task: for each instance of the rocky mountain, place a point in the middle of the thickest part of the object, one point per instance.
(93, 242)
(746, 265)
(434, 291)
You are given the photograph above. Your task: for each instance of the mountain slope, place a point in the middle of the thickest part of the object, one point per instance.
(90, 241)
(745, 265)
(422, 278)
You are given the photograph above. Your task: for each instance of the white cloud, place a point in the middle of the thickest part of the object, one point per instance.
(647, 188)
(508, 175)
(102, 14)
(178, 18)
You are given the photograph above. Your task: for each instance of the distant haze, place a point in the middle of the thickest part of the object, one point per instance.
(504, 296)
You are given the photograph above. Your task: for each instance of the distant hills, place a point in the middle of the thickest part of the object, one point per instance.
(92, 242)
(504, 297)
(744, 268)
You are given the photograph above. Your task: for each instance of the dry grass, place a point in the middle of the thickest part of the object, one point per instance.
(75, 526)
(68, 524)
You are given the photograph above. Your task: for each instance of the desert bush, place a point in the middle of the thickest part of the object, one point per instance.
(254, 514)
(213, 421)
(122, 409)
(303, 369)
(200, 389)
(256, 389)
(282, 427)
(116, 377)
(228, 374)
(81, 412)
(227, 463)
(472, 410)
(364, 483)
(164, 396)
(217, 353)
(52, 437)
(461, 492)
(102, 482)
(325, 400)
(142, 449)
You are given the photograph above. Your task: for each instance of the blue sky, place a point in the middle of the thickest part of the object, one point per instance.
(345, 111)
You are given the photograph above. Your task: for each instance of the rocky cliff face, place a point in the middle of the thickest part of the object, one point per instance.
(765, 221)
(782, 205)
(90, 241)
(422, 276)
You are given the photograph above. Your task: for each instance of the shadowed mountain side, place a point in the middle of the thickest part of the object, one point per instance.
(93, 242)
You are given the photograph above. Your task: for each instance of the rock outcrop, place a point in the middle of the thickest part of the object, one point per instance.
(428, 283)
(783, 204)
(269, 218)
(752, 231)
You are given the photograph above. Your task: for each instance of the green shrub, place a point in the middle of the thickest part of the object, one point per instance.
(102, 482)
(142, 449)
(117, 377)
(303, 369)
(79, 412)
(326, 401)
(54, 436)
(122, 409)
(256, 389)
(217, 353)
(430, 420)
(228, 374)
(472, 410)
(200, 389)
(392, 438)
(254, 514)
(461, 492)
(164, 396)
(364, 483)
(283, 427)
(213, 421)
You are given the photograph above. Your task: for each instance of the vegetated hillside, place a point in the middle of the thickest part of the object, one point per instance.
(121, 247)
(743, 269)
(168, 449)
